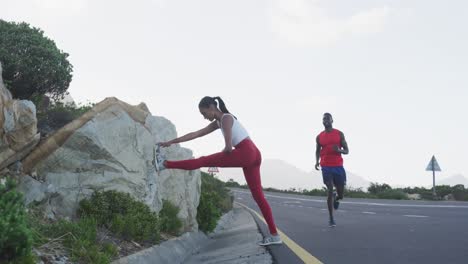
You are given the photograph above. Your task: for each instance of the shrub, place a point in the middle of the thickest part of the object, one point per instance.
(271, 189)
(315, 192)
(224, 199)
(392, 194)
(351, 192)
(32, 63)
(79, 238)
(232, 183)
(123, 215)
(170, 223)
(208, 213)
(15, 236)
(460, 193)
(443, 190)
(215, 199)
(376, 188)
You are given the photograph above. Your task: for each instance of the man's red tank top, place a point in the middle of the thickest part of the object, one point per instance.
(328, 156)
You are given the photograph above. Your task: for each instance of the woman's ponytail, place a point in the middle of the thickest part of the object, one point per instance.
(207, 101)
(222, 106)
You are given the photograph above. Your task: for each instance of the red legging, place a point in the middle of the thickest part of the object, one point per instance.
(245, 155)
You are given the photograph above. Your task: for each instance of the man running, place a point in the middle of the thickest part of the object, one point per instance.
(331, 144)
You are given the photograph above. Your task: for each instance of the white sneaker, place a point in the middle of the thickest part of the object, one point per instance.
(158, 159)
(271, 240)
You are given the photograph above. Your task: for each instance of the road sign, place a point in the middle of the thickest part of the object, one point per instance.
(213, 169)
(433, 165)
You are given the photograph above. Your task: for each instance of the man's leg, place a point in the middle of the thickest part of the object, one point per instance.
(340, 191)
(328, 181)
(338, 195)
(339, 179)
(330, 203)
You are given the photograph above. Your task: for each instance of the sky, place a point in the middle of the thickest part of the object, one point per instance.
(393, 73)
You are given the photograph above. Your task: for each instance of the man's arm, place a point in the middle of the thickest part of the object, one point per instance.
(344, 145)
(317, 154)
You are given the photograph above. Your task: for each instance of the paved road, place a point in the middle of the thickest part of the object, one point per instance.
(369, 231)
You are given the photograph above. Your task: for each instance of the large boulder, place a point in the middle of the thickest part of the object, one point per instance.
(111, 147)
(18, 127)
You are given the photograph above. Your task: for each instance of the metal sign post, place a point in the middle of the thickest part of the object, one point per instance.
(433, 166)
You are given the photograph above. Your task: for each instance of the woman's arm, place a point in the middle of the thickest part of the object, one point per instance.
(226, 122)
(193, 135)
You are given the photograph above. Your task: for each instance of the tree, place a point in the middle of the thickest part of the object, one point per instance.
(376, 188)
(32, 64)
(232, 183)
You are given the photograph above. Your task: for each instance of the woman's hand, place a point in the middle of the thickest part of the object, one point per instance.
(227, 149)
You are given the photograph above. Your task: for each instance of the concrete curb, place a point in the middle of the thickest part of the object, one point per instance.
(177, 249)
(171, 251)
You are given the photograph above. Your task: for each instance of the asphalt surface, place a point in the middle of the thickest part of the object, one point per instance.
(235, 242)
(368, 230)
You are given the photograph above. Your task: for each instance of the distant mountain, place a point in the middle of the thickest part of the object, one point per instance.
(282, 175)
(453, 180)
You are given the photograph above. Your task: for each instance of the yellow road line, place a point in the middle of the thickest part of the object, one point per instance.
(298, 250)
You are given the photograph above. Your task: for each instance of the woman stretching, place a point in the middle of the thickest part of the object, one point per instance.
(245, 155)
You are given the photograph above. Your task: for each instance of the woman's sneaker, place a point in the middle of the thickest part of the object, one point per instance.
(158, 159)
(271, 240)
(331, 223)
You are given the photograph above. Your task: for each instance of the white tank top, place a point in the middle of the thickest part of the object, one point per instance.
(238, 131)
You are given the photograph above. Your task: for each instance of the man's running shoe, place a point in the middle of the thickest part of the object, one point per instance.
(336, 203)
(271, 240)
(331, 223)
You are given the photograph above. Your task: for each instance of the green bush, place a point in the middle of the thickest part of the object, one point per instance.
(79, 238)
(15, 236)
(170, 223)
(271, 189)
(232, 183)
(208, 213)
(32, 63)
(376, 188)
(392, 194)
(443, 190)
(458, 191)
(351, 192)
(224, 200)
(215, 199)
(315, 192)
(123, 215)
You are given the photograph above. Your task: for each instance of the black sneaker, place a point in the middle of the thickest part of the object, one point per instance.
(331, 223)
